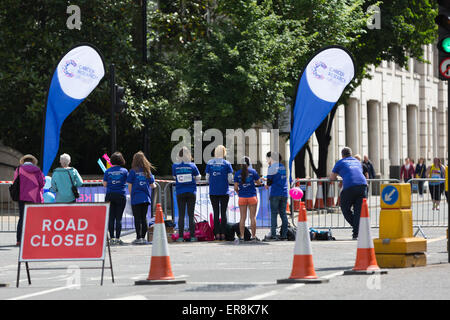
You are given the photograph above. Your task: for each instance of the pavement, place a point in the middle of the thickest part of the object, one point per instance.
(226, 271)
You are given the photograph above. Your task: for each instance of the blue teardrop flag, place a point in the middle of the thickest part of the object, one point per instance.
(76, 76)
(321, 84)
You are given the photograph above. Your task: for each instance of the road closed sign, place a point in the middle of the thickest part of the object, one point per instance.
(64, 232)
(395, 196)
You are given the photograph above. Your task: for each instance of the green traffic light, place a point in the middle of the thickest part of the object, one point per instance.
(446, 45)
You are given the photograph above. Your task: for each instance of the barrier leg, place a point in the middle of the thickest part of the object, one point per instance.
(28, 272)
(419, 229)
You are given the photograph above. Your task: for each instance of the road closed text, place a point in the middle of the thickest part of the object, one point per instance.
(70, 234)
(64, 231)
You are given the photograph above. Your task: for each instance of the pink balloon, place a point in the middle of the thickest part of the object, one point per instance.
(296, 193)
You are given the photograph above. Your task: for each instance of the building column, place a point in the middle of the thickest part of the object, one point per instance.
(394, 139)
(351, 125)
(412, 132)
(373, 124)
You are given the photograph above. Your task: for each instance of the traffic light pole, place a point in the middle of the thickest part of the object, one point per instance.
(448, 191)
(112, 75)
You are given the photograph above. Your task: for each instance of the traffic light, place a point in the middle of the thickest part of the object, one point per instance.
(443, 21)
(119, 104)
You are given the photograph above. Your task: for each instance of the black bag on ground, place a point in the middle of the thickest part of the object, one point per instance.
(291, 233)
(14, 189)
(233, 229)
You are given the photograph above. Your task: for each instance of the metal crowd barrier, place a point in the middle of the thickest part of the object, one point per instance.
(424, 213)
(326, 215)
(203, 208)
(329, 215)
(91, 191)
(9, 210)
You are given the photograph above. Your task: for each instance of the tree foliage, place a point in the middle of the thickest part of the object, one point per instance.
(231, 64)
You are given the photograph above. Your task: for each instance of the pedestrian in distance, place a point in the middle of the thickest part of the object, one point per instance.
(364, 166)
(115, 182)
(421, 173)
(370, 168)
(32, 181)
(140, 184)
(186, 175)
(64, 179)
(436, 171)
(278, 197)
(407, 170)
(219, 174)
(365, 169)
(354, 188)
(245, 181)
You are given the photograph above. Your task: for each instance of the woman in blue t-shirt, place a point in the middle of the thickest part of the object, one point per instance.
(186, 175)
(140, 181)
(219, 174)
(114, 181)
(245, 180)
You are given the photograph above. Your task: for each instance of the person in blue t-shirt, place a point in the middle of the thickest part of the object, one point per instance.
(354, 187)
(277, 180)
(186, 175)
(140, 181)
(245, 181)
(219, 174)
(115, 182)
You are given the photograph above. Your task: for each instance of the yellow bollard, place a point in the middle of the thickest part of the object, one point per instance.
(396, 247)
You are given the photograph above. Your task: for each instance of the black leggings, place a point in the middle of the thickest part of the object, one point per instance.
(186, 201)
(140, 219)
(116, 207)
(222, 201)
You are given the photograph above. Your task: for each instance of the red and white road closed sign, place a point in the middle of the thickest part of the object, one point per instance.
(64, 232)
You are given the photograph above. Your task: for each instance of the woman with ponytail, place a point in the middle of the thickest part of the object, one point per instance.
(245, 181)
(140, 182)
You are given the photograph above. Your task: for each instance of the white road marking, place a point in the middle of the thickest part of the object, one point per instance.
(264, 295)
(290, 287)
(40, 293)
(136, 297)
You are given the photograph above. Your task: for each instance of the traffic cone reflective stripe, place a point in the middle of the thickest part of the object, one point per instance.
(302, 266)
(330, 195)
(160, 267)
(365, 254)
(319, 197)
(338, 202)
(366, 261)
(309, 197)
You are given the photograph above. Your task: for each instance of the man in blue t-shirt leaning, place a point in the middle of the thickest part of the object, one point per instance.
(354, 187)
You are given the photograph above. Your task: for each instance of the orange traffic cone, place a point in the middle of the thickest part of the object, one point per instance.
(160, 267)
(309, 197)
(338, 202)
(302, 267)
(366, 262)
(319, 197)
(288, 208)
(330, 195)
